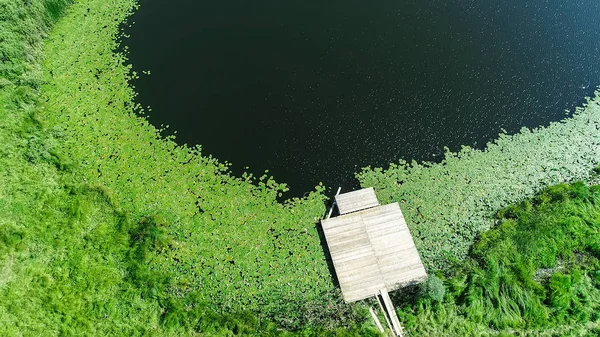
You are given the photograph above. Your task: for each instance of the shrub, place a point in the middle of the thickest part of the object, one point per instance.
(433, 288)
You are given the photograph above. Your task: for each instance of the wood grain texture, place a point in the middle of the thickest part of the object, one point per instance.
(372, 248)
(356, 200)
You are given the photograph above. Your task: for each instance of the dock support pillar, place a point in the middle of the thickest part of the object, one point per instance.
(389, 312)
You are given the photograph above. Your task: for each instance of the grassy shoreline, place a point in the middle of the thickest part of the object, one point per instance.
(231, 244)
(88, 242)
(108, 228)
(537, 273)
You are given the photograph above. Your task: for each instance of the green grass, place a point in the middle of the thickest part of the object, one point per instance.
(536, 273)
(108, 229)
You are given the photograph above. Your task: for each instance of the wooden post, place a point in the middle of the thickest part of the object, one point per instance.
(331, 210)
(387, 301)
(385, 315)
(377, 322)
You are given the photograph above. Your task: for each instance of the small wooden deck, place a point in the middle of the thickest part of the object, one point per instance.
(356, 200)
(372, 248)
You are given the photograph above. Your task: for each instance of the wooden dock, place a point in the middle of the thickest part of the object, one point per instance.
(372, 249)
(356, 200)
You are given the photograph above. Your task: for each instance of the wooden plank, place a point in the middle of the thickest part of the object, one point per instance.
(354, 296)
(377, 322)
(374, 217)
(387, 228)
(358, 194)
(391, 232)
(361, 288)
(397, 249)
(355, 264)
(341, 221)
(390, 211)
(395, 238)
(384, 224)
(354, 197)
(351, 295)
(364, 273)
(391, 255)
(385, 315)
(373, 280)
(395, 283)
(384, 221)
(348, 255)
(409, 278)
(333, 205)
(350, 207)
(394, 244)
(401, 263)
(372, 248)
(399, 273)
(391, 312)
(342, 232)
(356, 200)
(351, 243)
(367, 285)
(398, 237)
(334, 236)
(393, 258)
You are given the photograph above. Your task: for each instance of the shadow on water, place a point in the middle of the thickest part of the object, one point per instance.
(323, 242)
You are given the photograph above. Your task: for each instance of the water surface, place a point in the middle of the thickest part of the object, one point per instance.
(315, 90)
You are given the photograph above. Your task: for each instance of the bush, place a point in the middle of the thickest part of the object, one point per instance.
(433, 288)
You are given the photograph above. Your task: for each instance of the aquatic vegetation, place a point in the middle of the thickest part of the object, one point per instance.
(231, 243)
(82, 254)
(109, 229)
(448, 204)
(60, 247)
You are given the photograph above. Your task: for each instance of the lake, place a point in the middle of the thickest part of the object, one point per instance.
(315, 90)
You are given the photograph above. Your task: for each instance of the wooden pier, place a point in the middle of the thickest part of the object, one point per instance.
(372, 250)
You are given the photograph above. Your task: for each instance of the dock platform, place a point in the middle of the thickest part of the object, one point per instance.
(371, 248)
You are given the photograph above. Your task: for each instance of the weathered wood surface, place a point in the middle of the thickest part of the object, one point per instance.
(371, 250)
(377, 322)
(387, 301)
(356, 200)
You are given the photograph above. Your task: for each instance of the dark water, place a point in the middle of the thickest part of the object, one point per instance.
(315, 90)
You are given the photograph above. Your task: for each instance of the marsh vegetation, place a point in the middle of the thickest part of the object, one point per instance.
(107, 228)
